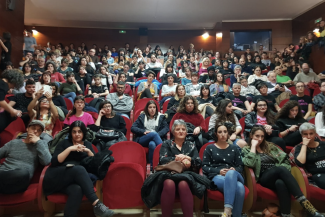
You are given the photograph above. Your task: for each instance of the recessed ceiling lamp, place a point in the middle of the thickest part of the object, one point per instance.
(219, 34)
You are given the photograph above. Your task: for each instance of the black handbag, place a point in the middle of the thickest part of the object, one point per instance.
(106, 135)
(107, 139)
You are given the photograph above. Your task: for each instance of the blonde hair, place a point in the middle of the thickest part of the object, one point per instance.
(206, 59)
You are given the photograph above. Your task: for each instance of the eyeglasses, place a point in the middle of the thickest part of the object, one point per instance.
(45, 101)
(106, 107)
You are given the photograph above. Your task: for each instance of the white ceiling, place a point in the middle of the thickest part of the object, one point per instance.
(159, 14)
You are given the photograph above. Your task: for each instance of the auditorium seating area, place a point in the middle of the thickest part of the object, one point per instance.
(111, 89)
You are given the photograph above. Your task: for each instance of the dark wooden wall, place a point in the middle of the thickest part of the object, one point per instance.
(281, 36)
(306, 22)
(13, 22)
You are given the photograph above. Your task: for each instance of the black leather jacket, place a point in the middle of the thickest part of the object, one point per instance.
(251, 120)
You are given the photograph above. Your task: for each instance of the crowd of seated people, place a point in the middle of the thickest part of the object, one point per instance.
(237, 93)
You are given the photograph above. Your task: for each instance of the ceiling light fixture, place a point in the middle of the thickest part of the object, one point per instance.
(35, 32)
(205, 35)
(316, 32)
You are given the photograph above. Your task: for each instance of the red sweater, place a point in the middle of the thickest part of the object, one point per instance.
(57, 77)
(127, 90)
(195, 119)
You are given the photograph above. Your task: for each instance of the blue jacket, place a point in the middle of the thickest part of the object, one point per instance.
(138, 127)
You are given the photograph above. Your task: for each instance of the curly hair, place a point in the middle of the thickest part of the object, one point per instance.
(182, 107)
(285, 111)
(221, 113)
(270, 118)
(14, 77)
(265, 146)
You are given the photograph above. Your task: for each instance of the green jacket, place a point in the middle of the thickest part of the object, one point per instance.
(253, 160)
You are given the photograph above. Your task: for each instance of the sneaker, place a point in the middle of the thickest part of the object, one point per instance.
(100, 210)
(312, 212)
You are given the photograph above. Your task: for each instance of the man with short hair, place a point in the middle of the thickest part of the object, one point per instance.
(264, 59)
(246, 70)
(21, 100)
(263, 89)
(241, 106)
(122, 104)
(248, 91)
(154, 64)
(114, 53)
(194, 87)
(305, 102)
(319, 99)
(22, 157)
(122, 77)
(274, 88)
(29, 43)
(306, 76)
(40, 67)
(92, 54)
(28, 59)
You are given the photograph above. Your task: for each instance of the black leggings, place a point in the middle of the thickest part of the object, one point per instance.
(293, 139)
(14, 181)
(320, 180)
(284, 184)
(146, 94)
(75, 184)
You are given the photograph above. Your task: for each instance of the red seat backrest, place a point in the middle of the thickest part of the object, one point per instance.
(88, 100)
(69, 104)
(12, 131)
(57, 127)
(129, 152)
(228, 81)
(141, 104)
(206, 121)
(155, 160)
(312, 121)
(242, 124)
(293, 90)
(136, 115)
(165, 105)
(94, 115)
(203, 148)
(283, 102)
(128, 128)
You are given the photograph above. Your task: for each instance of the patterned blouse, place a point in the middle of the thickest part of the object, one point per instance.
(169, 150)
(48, 122)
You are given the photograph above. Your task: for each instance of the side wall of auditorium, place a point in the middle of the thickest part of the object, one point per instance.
(13, 22)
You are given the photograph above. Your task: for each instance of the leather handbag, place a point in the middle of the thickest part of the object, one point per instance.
(173, 167)
(107, 135)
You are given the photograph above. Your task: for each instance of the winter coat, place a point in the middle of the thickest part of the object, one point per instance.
(138, 127)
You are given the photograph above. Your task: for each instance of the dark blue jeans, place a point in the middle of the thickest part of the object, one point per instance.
(71, 96)
(151, 140)
(232, 187)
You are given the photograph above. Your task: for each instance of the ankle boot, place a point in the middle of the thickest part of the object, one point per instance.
(312, 211)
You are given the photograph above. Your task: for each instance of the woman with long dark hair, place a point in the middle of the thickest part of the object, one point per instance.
(150, 128)
(288, 120)
(65, 175)
(272, 170)
(223, 165)
(263, 116)
(108, 119)
(257, 62)
(42, 108)
(219, 86)
(205, 98)
(224, 114)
